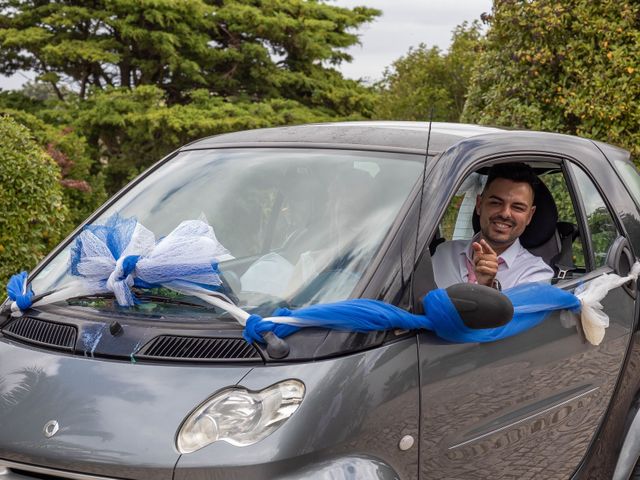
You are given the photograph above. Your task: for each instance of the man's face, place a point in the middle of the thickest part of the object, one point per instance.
(505, 209)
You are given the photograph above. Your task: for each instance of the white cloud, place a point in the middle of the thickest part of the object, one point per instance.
(15, 81)
(403, 24)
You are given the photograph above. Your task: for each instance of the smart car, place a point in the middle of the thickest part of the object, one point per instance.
(169, 389)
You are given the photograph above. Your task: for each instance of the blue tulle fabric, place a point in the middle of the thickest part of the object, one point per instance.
(18, 291)
(532, 302)
(257, 326)
(121, 254)
(115, 235)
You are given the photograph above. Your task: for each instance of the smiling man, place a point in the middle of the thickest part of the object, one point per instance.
(494, 256)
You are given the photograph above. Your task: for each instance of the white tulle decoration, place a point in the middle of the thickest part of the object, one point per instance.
(122, 253)
(594, 319)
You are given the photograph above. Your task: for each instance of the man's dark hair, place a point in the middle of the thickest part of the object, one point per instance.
(516, 172)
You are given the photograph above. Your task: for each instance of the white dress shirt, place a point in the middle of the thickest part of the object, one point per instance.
(518, 264)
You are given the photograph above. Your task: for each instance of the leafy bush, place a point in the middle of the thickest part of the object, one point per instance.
(31, 200)
(83, 190)
(567, 66)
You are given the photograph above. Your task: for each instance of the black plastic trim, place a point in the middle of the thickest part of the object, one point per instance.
(43, 333)
(178, 347)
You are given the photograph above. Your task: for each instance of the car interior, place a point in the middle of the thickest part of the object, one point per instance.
(310, 220)
(553, 233)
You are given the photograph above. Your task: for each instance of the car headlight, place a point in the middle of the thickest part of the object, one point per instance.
(239, 416)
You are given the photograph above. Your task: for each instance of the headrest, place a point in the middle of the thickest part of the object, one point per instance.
(543, 223)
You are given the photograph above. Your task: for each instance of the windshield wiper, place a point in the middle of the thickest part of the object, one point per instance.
(149, 297)
(7, 308)
(276, 347)
(179, 301)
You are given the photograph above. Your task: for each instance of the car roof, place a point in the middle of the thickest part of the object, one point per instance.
(409, 137)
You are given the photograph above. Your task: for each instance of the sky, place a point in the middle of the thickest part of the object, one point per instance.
(403, 24)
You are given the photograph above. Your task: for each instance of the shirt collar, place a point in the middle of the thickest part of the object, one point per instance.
(508, 256)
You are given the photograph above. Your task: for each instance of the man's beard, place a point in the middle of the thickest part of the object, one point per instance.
(487, 235)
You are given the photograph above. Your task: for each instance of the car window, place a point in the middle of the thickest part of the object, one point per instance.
(557, 185)
(456, 223)
(602, 228)
(630, 177)
(300, 225)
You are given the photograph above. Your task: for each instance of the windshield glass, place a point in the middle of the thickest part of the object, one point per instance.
(300, 225)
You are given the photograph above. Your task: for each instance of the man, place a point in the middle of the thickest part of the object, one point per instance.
(495, 257)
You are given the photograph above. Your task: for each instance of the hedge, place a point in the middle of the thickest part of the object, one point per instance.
(32, 212)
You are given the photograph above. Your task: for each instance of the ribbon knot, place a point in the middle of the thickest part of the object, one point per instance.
(121, 279)
(18, 292)
(253, 328)
(121, 253)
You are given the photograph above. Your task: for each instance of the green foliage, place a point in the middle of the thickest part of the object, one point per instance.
(131, 129)
(135, 79)
(566, 66)
(83, 190)
(18, 100)
(427, 78)
(259, 49)
(33, 211)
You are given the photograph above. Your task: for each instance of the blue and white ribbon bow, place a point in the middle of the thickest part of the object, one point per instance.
(122, 253)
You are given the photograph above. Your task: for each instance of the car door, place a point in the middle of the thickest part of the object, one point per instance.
(529, 406)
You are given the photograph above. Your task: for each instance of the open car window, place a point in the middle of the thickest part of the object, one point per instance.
(563, 249)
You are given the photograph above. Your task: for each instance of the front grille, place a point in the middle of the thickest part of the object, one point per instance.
(172, 347)
(41, 332)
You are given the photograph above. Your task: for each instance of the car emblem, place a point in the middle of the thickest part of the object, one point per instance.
(50, 428)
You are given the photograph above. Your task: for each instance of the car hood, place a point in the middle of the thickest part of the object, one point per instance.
(115, 418)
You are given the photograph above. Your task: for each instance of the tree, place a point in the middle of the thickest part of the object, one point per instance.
(254, 49)
(566, 66)
(131, 129)
(427, 78)
(135, 79)
(33, 212)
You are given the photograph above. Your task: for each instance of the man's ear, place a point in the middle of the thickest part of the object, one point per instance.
(478, 200)
(533, 210)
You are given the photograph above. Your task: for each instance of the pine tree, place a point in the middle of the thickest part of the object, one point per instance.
(256, 49)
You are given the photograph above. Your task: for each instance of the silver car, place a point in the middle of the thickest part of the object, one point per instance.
(169, 389)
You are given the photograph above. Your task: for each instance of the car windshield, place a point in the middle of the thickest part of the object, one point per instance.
(301, 225)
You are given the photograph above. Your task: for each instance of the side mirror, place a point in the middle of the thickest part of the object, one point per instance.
(480, 306)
